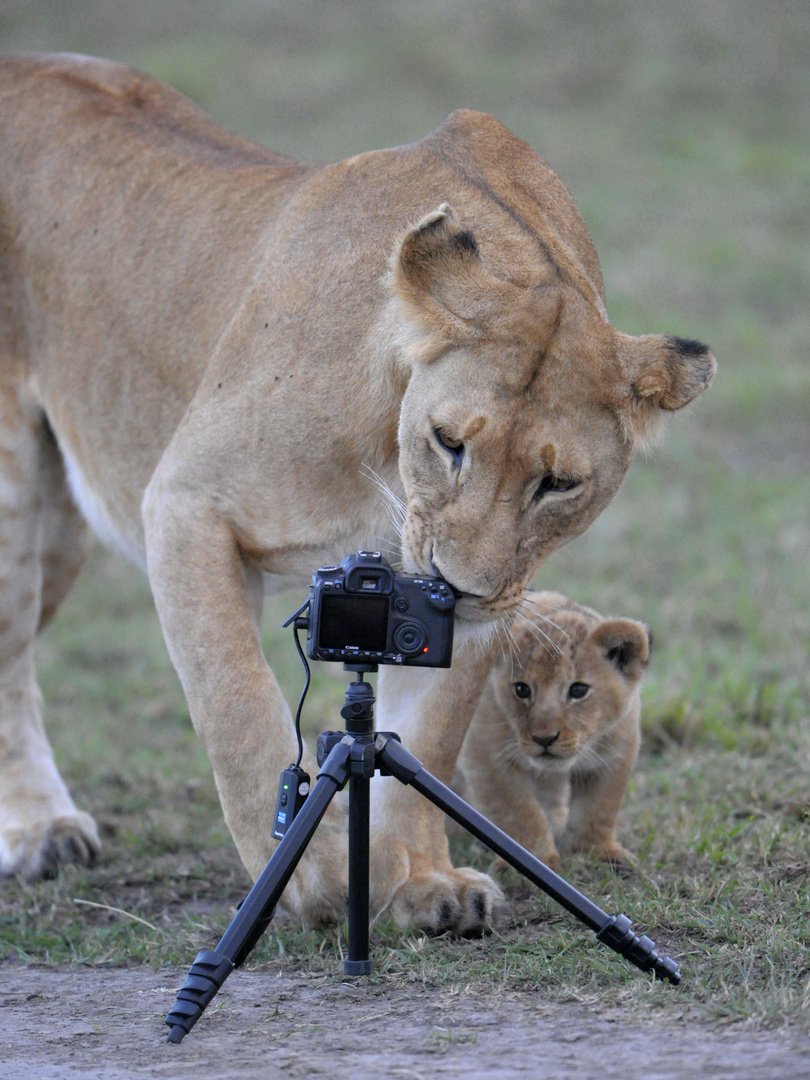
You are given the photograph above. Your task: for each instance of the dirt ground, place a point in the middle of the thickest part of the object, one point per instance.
(96, 1023)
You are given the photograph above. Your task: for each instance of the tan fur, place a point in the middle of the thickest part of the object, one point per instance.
(223, 353)
(564, 794)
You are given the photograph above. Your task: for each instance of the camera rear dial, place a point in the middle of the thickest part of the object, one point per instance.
(409, 638)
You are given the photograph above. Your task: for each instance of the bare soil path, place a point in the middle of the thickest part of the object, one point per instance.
(72, 1024)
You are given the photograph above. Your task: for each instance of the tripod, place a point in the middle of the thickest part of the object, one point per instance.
(355, 756)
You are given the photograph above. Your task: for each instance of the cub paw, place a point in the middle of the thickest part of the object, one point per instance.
(617, 857)
(461, 902)
(40, 850)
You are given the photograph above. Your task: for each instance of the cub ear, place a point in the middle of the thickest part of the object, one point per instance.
(437, 272)
(665, 373)
(625, 644)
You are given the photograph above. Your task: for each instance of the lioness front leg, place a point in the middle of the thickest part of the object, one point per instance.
(208, 597)
(43, 543)
(412, 874)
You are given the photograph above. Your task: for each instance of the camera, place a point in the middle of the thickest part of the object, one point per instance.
(362, 612)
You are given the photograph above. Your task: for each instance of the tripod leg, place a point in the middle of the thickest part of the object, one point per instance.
(614, 930)
(211, 968)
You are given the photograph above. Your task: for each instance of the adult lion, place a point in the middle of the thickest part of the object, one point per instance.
(207, 352)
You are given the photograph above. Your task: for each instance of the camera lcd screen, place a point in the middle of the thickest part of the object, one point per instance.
(349, 620)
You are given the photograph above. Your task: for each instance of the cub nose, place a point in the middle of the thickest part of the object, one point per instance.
(545, 740)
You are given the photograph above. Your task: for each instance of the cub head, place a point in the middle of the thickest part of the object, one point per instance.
(575, 676)
(522, 411)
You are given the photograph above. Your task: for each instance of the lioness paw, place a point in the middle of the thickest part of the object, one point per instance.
(318, 890)
(41, 850)
(461, 902)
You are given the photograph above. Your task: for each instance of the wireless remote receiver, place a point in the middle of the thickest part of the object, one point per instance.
(293, 789)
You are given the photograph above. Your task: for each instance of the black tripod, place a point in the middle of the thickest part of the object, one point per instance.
(355, 756)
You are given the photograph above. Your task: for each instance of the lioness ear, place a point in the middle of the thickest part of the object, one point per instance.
(437, 245)
(626, 644)
(665, 373)
(438, 273)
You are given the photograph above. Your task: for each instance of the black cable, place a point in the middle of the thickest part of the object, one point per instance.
(302, 698)
(298, 620)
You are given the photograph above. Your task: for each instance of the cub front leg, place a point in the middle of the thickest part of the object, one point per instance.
(411, 872)
(503, 791)
(596, 797)
(208, 597)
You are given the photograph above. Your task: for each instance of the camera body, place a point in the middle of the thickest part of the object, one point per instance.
(361, 612)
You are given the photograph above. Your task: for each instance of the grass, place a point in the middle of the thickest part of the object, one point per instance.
(681, 134)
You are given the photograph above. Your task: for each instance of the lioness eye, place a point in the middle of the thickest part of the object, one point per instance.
(578, 690)
(552, 482)
(522, 690)
(454, 446)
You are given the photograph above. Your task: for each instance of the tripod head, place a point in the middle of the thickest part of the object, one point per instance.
(358, 709)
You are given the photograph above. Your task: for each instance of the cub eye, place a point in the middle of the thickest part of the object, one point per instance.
(553, 483)
(522, 690)
(453, 446)
(578, 690)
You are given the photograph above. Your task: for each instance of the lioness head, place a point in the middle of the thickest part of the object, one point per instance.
(522, 411)
(573, 678)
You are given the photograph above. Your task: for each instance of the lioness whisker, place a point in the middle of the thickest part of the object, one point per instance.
(506, 640)
(514, 648)
(548, 643)
(388, 546)
(397, 509)
(545, 616)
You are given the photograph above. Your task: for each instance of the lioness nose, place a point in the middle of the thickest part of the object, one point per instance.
(545, 740)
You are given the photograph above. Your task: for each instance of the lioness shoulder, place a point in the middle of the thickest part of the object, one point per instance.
(552, 744)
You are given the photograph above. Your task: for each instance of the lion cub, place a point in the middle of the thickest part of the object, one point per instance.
(551, 746)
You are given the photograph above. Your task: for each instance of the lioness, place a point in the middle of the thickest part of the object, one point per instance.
(216, 356)
(551, 746)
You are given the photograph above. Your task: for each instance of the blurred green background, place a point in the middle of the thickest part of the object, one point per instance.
(682, 131)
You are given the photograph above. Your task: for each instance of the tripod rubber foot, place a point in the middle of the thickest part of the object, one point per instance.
(206, 975)
(617, 934)
(358, 967)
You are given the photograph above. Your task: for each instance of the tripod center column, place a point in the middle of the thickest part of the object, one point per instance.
(358, 712)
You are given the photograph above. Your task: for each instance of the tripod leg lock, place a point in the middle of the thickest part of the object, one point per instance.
(618, 935)
(406, 765)
(335, 766)
(206, 975)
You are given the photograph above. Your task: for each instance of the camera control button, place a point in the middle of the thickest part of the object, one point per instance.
(401, 604)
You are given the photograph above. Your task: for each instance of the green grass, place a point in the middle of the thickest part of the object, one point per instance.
(681, 130)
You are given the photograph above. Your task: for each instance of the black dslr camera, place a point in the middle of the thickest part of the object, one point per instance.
(361, 612)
